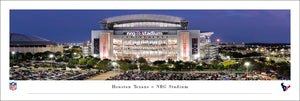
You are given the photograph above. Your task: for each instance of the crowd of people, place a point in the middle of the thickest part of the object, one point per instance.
(186, 76)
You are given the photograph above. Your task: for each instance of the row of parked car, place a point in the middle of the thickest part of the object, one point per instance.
(85, 76)
(29, 74)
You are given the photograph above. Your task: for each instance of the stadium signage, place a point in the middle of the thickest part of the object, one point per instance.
(145, 37)
(138, 33)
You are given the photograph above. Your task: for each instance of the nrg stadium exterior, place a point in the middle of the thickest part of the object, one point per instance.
(153, 37)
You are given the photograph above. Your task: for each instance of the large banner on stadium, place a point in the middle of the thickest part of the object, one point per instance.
(195, 46)
(96, 46)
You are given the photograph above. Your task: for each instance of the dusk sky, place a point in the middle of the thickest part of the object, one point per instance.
(264, 26)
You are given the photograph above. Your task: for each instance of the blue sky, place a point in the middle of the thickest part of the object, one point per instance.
(265, 26)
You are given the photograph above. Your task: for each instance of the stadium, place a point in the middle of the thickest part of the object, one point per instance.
(23, 43)
(153, 37)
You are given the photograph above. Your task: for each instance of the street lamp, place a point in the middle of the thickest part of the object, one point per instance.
(74, 56)
(138, 63)
(228, 57)
(218, 40)
(13, 53)
(51, 56)
(114, 64)
(247, 66)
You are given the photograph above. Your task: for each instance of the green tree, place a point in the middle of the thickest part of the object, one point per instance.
(220, 66)
(104, 64)
(142, 60)
(179, 65)
(73, 61)
(124, 65)
(58, 54)
(82, 61)
(28, 56)
(72, 66)
(162, 67)
(214, 62)
(145, 67)
(170, 61)
(199, 67)
(62, 66)
(59, 59)
(92, 61)
(133, 66)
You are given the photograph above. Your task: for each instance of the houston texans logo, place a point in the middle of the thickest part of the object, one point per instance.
(138, 33)
(284, 87)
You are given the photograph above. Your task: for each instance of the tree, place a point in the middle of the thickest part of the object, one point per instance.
(62, 66)
(19, 56)
(284, 69)
(220, 66)
(38, 56)
(179, 65)
(88, 66)
(12, 62)
(162, 67)
(159, 62)
(82, 61)
(124, 65)
(101, 66)
(72, 66)
(28, 56)
(104, 64)
(214, 62)
(133, 66)
(59, 59)
(142, 60)
(58, 54)
(170, 61)
(73, 61)
(199, 67)
(145, 67)
(92, 61)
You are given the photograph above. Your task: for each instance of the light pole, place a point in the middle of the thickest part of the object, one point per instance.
(74, 56)
(247, 66)
(13, 53)
(51, 56)
(114, 64)
(138, 63)
(218, 40)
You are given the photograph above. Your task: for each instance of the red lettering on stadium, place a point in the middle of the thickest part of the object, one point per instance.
(184, 47)
(104, 47)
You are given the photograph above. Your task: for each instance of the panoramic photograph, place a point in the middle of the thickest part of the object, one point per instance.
(243, 45)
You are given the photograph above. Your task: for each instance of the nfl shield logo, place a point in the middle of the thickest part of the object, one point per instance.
(13, 86)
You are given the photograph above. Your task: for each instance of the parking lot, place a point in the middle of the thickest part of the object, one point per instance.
(23, 73)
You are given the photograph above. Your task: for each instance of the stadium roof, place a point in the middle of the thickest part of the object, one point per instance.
(143, 17)
(109, 23)
(22, 39)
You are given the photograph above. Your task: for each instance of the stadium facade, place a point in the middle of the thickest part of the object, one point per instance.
(153, 37)
(21, 43)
